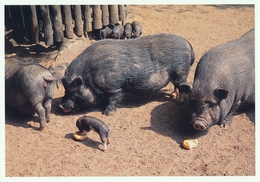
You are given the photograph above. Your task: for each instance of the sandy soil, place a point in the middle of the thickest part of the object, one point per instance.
(146, 133)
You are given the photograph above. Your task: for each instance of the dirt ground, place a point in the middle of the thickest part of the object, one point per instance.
(146, 133)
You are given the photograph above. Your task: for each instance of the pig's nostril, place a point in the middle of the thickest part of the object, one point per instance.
(199, 125)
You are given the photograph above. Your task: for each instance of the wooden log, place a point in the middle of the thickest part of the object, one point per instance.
(68, 21)
(113, 14)
(97, 22)
(126, 14)
(34, 25)
(48, 33)
(87, 19)
(57, 24)
(105, 15)
(121, 10)
(78, 20)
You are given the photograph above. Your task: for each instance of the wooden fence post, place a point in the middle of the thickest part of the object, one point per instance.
(78, 20)
(87, 19)
(68, 22)
(57, 24)
(113, 14)
(97, 22)
(121, 11)
(48, 33)
(35, 27)
(105, 15)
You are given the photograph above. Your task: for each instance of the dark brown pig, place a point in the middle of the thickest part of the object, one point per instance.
(224, 80)
(29, 89)
(140, 66)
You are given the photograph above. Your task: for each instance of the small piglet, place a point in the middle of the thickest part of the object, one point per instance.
(137, 29)
(118, 32)
(128, 30)
(87, 123)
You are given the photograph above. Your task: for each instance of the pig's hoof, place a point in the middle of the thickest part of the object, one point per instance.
(41, 128)
(224, 125)
(106, 112)
(109, 109)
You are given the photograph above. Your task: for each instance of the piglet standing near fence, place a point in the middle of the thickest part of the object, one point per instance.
(128, 30)
(118, 31)
(137, 29)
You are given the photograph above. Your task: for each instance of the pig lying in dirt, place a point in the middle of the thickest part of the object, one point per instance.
(29, 89)
(224, 79)
(108, 68)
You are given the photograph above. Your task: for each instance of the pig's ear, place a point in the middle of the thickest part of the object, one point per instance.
(78, 123)
(186, 88)
(78, 81)
(221, 93)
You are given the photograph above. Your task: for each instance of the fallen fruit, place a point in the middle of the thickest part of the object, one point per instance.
(189, 144)
(80, 136)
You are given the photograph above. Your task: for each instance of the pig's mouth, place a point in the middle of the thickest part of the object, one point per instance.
(200, 124)
(66, 110)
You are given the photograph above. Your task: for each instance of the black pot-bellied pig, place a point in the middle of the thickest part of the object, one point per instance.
(109, 68)
(224, 79)
(29, 89)
(87, 123)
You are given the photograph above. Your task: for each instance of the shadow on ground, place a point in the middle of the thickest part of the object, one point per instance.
(173, 120)
(88, 142)
(20, 120)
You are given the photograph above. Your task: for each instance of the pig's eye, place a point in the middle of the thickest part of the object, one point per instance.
(79, 96)
(198, 105)
(210, 104)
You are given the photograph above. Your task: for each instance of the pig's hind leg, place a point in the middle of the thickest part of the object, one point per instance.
(40, 110)
(47, 106)
(105, 139)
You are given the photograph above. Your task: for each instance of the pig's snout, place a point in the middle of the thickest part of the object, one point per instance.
(66, 110)
(200, 125)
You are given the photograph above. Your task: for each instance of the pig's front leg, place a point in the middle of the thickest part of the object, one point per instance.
(113, 99)
(227, 120)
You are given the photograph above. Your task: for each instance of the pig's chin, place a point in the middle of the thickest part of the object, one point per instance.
(200, 124)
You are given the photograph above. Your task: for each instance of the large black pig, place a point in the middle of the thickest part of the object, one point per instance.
(108, 68)
(29, 89)
(224, 79)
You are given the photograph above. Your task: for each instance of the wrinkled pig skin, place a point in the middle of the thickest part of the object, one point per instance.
(28, 89)
(224, 79)
(139, 66)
